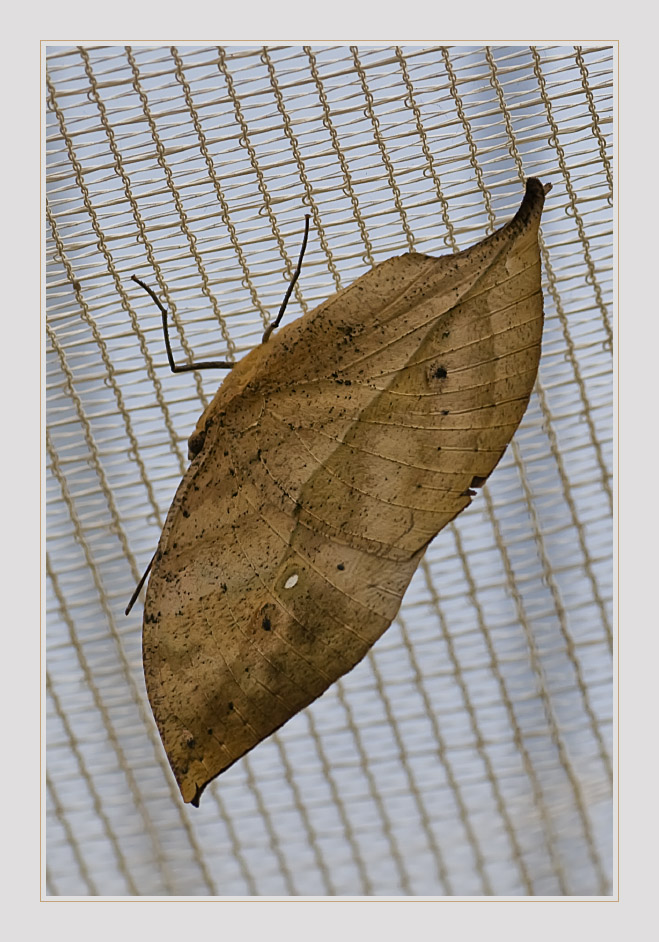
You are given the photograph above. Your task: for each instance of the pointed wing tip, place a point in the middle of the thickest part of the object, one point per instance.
(535, 188)
(531, 206)
(194, 799)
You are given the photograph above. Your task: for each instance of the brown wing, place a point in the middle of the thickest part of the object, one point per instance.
(331, 456)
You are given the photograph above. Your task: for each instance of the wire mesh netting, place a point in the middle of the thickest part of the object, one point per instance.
(470, 753)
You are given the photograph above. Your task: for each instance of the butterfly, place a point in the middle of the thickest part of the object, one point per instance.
(330, 457)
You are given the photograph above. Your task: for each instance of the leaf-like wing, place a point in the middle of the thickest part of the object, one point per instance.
(328, 460)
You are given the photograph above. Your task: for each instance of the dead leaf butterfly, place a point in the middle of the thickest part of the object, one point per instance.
(330, 457)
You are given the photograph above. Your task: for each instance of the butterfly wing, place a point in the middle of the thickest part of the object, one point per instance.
(331, 456)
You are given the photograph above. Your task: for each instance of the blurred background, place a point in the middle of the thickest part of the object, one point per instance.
(470, 753)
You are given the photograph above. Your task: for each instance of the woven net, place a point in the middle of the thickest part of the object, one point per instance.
(471, 752)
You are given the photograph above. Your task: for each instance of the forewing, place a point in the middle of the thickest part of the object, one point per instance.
(332, 457)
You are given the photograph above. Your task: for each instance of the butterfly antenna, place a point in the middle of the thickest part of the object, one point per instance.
(269, 329)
